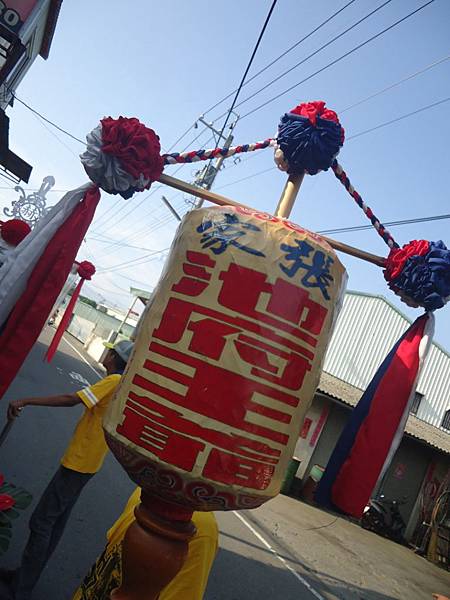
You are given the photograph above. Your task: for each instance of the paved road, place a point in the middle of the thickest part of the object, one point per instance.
(285, 550)
(247, 566)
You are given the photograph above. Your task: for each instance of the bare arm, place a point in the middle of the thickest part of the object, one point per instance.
(66, 400)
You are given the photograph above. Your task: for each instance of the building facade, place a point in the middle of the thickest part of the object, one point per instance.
(367, 328)
(26, 31)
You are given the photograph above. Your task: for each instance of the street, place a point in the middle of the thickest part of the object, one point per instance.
(285, 549)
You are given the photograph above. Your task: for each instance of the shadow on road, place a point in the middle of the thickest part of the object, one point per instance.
(235, 577)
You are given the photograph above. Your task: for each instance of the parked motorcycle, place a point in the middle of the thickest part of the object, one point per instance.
(383, 516)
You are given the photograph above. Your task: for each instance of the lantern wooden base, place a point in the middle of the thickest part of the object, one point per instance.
(154, 550)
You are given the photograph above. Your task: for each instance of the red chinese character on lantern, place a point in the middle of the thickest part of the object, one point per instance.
(219, 387)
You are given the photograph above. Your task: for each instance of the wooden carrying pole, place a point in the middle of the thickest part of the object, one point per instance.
(285, 205)
(288, 196)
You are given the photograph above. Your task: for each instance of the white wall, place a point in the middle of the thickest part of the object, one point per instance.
(316, 418)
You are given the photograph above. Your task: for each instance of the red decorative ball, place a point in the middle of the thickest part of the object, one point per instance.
(317, 108)
(86, 269)
(398, 257)
(6, 502)
(14, 231)
(136, 147)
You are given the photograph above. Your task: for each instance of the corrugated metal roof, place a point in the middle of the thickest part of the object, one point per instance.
(349, 394)
(366, 329)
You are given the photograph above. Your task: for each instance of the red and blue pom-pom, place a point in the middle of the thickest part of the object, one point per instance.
(309, 139)
(420, 273)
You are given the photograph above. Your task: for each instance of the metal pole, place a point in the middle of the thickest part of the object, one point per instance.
(127, 315)
(217, 166)
(171, 208)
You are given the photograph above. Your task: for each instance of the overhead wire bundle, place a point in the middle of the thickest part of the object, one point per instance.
(160, 216)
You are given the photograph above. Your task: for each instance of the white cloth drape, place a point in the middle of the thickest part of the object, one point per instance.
(20, 262)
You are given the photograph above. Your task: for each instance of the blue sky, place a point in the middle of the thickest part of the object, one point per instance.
(167, 63)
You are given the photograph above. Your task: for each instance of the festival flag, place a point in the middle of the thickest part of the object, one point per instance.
(122, 156)
(376, 425)
(51, 269)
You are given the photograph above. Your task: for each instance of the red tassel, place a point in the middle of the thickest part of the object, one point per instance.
(53, 347)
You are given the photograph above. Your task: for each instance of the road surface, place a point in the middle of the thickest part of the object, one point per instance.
(250, 565)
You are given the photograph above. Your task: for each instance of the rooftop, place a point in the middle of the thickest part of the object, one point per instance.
(416, 428)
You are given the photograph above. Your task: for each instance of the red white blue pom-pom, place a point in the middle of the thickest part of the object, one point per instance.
(123, 156)
(420, 273)
(309, 139)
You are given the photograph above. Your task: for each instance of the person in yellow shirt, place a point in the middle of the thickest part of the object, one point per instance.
(189, 583)
(82, 459)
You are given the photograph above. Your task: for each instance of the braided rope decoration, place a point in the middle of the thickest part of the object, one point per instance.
(380, 228)
(198, 155)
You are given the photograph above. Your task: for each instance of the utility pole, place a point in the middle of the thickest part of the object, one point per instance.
(205, 178)
(115, 334)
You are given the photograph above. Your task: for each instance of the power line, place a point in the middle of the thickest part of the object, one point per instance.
(386, 223)
(397, 83)
(390, 122)
(245, 178)
(33, 110)
(303, 39)
(143, 260)
(177, 141)
(410, 114)
(49, 121)
(250, 62)
(348, 53)
(136, 262)
(326, 21)
(334, 39)
(51, 132)
(97, 287)
(351, 137)
(135, 281)
(121, 244)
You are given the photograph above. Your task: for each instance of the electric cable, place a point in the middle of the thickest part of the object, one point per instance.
(328, 43)
(250, 62)
(337, 60)
(36, 112)
(385, 223)
(282, 55)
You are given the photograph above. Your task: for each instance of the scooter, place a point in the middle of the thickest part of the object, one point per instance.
(383, 516)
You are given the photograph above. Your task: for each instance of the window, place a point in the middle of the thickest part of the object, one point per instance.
(416, 403)
(11, 51)
(446, 420)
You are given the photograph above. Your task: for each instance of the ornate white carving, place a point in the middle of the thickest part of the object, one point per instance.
(32, 207)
